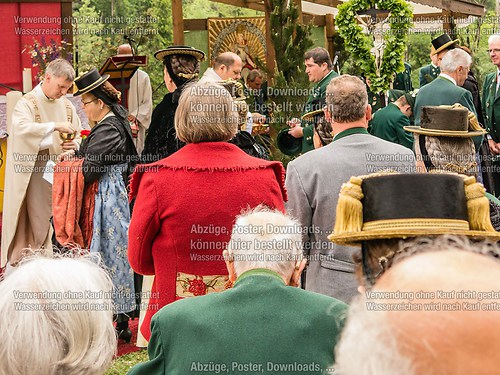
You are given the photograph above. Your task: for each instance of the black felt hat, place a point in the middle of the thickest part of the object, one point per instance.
(443, 42)
(88, 81)
(392, 205)
(288, 144)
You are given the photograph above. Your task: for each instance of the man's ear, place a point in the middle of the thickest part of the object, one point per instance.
(328, 115)
(299, 267)
(368, 112)
(230, 266)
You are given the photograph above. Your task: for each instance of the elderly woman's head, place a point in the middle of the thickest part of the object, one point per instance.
(206, 114)
(56, 318)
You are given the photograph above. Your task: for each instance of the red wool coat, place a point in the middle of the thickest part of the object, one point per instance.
(185, 208)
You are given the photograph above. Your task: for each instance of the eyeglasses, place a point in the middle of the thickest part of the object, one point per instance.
(85, 103)
(495, 50)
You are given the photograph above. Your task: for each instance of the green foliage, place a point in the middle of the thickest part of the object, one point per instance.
(359, 46)
(291, 40)
(201, 9)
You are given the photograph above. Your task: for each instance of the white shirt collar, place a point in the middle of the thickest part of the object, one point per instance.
(448, 77)
(109, 114)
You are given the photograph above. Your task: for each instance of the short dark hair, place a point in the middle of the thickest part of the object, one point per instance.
(254, 73)
(319, 55)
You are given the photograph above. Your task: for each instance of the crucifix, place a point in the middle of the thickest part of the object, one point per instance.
(374, 24)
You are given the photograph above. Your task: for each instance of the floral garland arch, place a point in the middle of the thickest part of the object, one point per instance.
(401, 16)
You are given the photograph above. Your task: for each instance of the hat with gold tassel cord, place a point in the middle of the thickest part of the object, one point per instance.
(382, 206)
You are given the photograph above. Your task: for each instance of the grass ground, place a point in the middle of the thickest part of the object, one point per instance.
(122, 364)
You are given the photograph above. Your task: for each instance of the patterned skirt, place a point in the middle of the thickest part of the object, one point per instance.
(110, 236)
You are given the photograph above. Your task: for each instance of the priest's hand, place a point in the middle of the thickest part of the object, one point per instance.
(65, 127)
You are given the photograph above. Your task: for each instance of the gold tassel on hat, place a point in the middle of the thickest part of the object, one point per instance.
(478, 207)
(349, 216)
(473, 122)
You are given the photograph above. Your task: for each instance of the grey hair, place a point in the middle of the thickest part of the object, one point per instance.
(346, 98)
(368, 345)
(61, 68)
(265, 238)
(493, 37)
(454, 59)
(384, 253)
(57, 317)
(451, 154)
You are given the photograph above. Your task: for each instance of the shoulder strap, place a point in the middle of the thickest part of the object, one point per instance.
(69, 110)
(30, 97)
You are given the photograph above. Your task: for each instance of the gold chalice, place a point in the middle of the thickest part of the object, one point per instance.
(66, 137)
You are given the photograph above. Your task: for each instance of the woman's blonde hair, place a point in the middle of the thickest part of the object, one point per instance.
(205, 114)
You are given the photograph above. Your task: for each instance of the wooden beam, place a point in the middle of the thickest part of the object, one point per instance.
(455, 6)
(328, 3)
(66, 25)
(177, 22)
(195, 24)
(244, 4)
(424, 17)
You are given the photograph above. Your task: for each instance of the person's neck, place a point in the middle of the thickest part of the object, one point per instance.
(450, 75)
(43, 87)
(322, 78)
(339, 127)
(104, 113)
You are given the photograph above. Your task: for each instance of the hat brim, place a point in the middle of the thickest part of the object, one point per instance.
(445, 46)
(290, 148)
(443, 133)
(160, 55)
(310, 115)
(92, 86)
(353, 239)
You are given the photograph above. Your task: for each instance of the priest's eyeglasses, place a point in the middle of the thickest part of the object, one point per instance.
(90, 101)
(494, 50)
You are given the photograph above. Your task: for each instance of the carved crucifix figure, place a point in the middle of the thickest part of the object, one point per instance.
(375, 27)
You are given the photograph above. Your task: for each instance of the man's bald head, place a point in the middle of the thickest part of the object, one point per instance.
(125, 49)
(427, 325)
(228, 65)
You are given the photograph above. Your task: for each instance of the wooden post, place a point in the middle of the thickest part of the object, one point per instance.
(271, 53)
(330, 31)
(66, 24)
(298, 4)
(448, 25)
(178, 22)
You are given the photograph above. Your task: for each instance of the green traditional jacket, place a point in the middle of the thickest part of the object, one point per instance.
(259, 326)
(427, 74)
(388, 123)
(402, 81)
(442, 91)
(318, 92)
(491, 106)
(376, 102)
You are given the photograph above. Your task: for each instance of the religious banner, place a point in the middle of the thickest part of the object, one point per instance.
(243, 36)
